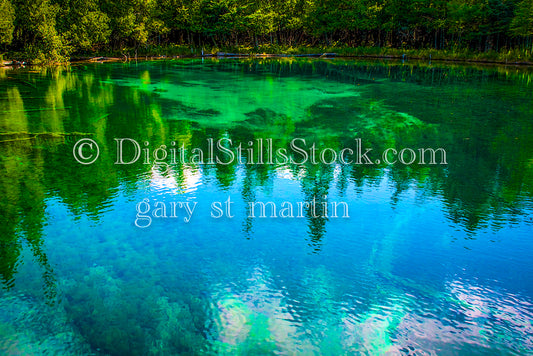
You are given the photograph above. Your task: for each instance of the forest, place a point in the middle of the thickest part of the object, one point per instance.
(55, 30)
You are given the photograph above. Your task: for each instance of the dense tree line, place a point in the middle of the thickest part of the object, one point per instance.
(54, 29)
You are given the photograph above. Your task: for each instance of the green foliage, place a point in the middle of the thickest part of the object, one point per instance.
(36, 30)
(6, 21)
(84, 24)
(134, 21)
(48, 30)
(522, 24)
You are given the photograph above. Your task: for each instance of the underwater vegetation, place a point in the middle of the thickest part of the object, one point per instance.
(28, 326)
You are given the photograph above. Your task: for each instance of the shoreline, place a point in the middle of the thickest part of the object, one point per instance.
(326, 55)
(322, 55)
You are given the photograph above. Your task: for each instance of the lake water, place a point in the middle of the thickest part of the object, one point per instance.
(171, 256)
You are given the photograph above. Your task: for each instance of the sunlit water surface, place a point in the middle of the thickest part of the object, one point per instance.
(433, 259)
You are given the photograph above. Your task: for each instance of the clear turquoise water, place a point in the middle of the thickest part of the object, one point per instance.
(434, 259)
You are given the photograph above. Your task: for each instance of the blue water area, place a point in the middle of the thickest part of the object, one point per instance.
(173, 252)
